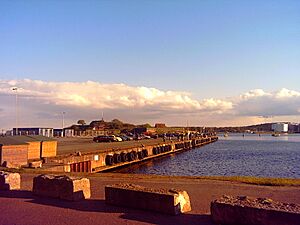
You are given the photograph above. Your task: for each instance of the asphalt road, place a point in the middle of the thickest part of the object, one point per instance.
(75, 144)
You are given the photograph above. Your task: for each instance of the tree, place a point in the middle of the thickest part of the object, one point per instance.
(81, 122)
(146, 125)
(115, 124)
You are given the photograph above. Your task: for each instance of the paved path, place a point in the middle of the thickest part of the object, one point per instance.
(22, 208)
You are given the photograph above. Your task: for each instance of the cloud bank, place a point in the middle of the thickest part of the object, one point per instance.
(41, 103)
(260, 103)
(109, 96)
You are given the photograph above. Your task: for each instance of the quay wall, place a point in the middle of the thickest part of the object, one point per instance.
(92, 162)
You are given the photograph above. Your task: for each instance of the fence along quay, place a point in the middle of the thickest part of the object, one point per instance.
(93, 162)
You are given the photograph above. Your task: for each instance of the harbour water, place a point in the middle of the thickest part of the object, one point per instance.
(235, 155)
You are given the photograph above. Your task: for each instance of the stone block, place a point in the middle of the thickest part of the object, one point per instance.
(10, 181)
(166, 201)
(63, 187)
(11, 165)
(36, 164)
(245, 210)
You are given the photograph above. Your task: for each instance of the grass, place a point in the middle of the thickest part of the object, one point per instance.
(267, 181)
(258, 180)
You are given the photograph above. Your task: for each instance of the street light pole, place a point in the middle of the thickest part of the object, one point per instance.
(15, 89)
(63, 123)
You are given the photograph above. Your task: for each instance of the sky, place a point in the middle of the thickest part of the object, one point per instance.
(202, 63)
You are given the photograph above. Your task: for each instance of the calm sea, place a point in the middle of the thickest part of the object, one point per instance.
(235, 155)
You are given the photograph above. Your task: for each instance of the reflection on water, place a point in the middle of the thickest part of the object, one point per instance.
(235, 155)
(262, 137)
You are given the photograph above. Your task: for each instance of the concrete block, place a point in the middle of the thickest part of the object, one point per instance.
(11, 165)
(63, 187)
(10, 181)
(36, 164)
(244, 210)
(166, 201)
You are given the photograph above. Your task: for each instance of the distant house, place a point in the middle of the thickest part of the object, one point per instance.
(57, 132)
(294, 127)
(84, 130)
(139, 130)
(98, 124)
(160, 125)
(280, 127)
(47, 132)
(66, 132)
(69, 132)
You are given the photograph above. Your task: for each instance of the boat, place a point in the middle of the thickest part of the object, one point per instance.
(226, 134)
(276, 135)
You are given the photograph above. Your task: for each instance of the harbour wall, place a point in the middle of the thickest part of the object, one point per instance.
(105, 160)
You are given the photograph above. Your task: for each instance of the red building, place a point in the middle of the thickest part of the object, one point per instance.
(160, 125)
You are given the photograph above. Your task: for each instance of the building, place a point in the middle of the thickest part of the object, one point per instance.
(57, 132)
(66, 132)
(69, 132)
(294, 128)
(280, 127)
(47, 132)
(139, 130)
(160, 125)
(83, 130)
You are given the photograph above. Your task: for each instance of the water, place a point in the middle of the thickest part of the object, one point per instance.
(235, 155)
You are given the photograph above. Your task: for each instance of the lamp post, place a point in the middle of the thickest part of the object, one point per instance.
(15, 89)
(63, 123)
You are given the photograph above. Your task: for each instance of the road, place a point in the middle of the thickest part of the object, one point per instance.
(76, 144)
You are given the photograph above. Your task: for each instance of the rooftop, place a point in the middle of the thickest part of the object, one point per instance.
(23, 139)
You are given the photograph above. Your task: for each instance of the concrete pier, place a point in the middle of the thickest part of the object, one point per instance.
(105, 160)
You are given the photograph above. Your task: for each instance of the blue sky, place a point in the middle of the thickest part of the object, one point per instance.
(211, 49)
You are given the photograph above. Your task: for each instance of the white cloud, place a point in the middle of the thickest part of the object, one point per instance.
(285, 93)
(108, 96)
(254, 94)
(257, 102)
(41, 104)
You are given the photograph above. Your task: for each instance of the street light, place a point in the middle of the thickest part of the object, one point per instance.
(63, 123)
(15, 89)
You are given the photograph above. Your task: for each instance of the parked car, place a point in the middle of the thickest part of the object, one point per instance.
(116, 138)
(137, 137)
(125, 137)
(154, 136)
(103, 138)
(145, 136)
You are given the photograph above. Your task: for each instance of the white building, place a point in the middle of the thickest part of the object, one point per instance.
(44, 131)
(280, 127)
